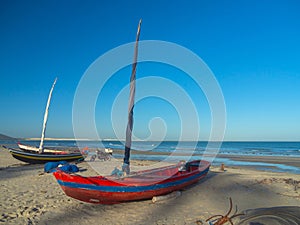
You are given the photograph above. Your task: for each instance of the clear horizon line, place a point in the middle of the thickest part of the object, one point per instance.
(115, 139)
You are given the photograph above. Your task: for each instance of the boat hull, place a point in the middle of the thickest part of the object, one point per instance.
(36, 158)
(103, 190)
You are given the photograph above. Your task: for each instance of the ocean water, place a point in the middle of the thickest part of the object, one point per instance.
(163, 151)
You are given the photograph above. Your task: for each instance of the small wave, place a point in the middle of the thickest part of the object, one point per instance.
(116, 145)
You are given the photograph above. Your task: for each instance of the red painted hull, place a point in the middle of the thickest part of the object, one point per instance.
(142, 185)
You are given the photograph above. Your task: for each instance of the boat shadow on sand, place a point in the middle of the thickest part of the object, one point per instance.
(19, 169)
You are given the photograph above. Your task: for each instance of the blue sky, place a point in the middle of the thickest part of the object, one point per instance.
(252, 47)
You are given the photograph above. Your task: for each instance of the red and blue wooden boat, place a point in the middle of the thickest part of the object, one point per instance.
(136, 186)
(131, 186)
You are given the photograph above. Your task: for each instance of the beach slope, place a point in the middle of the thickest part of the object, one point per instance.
(27, 197)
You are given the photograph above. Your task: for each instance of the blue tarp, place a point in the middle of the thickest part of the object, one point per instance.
(69, 168)
(50, 167)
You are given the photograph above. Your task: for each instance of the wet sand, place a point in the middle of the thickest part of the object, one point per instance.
(266, 159)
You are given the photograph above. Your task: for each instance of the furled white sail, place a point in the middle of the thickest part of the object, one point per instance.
(41, 148)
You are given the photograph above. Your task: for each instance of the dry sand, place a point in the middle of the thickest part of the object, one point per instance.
(29, 198)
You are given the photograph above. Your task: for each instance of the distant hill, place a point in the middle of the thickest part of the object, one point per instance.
(4, 137)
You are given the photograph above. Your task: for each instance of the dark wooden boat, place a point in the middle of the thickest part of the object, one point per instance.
(137, 186)
(39, 155)
(40, 158)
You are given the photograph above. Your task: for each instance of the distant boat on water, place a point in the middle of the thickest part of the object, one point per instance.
(33, 154)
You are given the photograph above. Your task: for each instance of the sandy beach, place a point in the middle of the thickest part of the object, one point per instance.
(30, 197)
